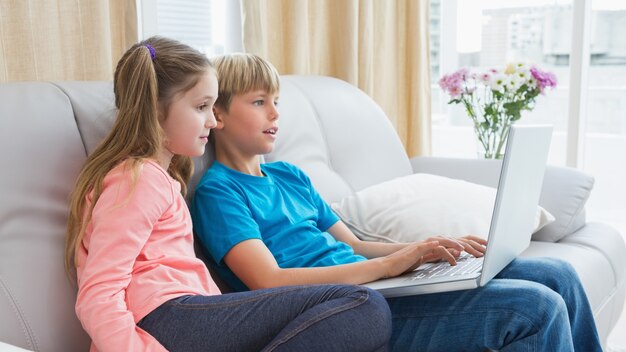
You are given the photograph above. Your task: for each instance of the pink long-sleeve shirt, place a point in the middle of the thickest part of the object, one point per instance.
(137, 253)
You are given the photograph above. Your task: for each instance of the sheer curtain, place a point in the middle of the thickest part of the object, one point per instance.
(379, 46)
(64, 40)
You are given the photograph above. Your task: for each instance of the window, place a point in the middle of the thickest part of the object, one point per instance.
(605, 130)
(211, 26)
(590, 131)
(488, 33)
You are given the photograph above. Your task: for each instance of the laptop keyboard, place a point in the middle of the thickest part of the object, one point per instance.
(465, 264)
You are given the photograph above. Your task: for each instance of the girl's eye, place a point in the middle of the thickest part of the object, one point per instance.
(258, 102)
(203, 107)
(275, 102)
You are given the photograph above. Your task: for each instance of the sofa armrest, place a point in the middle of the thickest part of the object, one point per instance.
(605, 239)
(564, 192)
(482, 171)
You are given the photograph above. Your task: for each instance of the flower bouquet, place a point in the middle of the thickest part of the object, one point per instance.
(494, 99)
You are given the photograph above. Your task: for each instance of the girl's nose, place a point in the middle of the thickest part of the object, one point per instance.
(210, 122)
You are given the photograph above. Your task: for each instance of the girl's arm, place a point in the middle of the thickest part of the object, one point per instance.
(121, 224)
(471, 244)
(255, 265)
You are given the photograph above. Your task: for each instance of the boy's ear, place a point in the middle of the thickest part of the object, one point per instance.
(218, 112)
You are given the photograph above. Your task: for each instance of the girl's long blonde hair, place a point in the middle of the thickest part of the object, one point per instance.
(147, 78)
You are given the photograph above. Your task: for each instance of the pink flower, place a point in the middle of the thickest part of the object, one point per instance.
(455, 92)
(543, 79)
(453, 83)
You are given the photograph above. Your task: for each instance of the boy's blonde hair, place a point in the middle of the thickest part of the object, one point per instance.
(242, 73)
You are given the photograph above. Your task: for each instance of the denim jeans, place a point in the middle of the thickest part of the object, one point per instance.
(293, 318)
(534, 304)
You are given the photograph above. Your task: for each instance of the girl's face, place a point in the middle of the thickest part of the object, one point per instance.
(250, 125)
(190, 118)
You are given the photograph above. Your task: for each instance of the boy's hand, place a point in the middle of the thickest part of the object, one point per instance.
(414, 255)
(473, 245)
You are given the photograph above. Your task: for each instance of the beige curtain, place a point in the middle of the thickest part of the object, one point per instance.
(64, 40)
(380, 46)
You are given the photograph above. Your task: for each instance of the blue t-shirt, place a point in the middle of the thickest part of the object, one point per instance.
(280, 208)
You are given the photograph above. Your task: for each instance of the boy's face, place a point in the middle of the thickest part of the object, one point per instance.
(250, 125)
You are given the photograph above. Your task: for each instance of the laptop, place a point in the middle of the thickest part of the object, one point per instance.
(517, 197)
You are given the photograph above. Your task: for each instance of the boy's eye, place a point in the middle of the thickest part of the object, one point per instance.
(258, 102)
(275, 102)
(203, 107)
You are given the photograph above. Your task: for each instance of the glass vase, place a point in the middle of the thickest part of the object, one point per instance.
(491, 141)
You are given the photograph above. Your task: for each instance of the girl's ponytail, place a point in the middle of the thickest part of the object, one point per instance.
(146, 79)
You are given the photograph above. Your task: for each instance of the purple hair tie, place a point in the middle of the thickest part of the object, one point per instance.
(152, 51)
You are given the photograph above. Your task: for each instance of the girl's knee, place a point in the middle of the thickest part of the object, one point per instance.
(377, 316)
(366, 302)
(378, 306)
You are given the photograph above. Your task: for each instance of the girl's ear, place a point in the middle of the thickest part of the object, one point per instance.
(219, 113)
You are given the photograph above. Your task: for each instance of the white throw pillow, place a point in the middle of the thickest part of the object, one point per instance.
(418, 206)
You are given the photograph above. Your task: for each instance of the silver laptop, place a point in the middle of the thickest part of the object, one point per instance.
(517, 196)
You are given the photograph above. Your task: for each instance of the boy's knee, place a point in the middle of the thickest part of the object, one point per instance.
(548, 305)
(564, 268)
(560, 274)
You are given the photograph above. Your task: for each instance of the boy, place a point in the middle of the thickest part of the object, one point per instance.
(264, 225)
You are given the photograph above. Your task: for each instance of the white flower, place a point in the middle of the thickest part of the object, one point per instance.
(513, 82)
(523, 74)
(497, 82)
(521, 66)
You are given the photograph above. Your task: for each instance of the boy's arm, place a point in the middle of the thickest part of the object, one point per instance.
(471, 244)
(255, 265)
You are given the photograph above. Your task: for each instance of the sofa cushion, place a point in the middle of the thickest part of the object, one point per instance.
(42, 155)
(94, 109)
(564, 193)
(418, 206)
(317, 115)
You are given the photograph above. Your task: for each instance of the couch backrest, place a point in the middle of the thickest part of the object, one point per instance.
(338, 135)
(42, 154)
(329, 128)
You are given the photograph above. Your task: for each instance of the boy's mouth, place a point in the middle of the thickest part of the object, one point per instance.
(272, 130)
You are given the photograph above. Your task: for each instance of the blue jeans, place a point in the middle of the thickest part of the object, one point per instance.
(293, 318)
(534, 304)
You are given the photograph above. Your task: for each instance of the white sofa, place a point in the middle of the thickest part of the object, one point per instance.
(332, 130)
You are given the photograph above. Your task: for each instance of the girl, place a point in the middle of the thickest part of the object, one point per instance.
(140, 287)
(265, 226)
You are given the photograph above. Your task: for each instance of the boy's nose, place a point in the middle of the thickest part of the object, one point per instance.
(274, 114)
